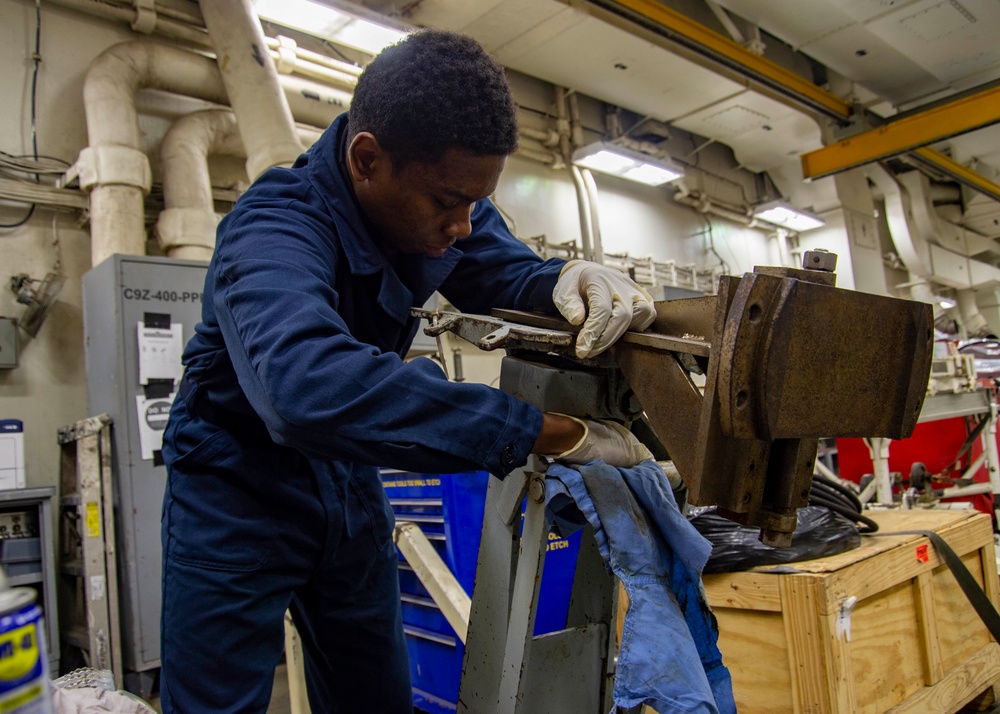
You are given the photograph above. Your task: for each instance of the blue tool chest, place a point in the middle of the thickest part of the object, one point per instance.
(449, 510)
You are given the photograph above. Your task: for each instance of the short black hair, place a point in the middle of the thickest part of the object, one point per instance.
(433, 91)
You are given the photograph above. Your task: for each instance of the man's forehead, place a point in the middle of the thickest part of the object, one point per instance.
(461, 174)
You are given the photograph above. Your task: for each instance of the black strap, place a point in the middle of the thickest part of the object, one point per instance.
(984, 608)
(971, 437)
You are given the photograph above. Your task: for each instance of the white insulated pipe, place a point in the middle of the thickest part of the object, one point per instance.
(289, 57)
(314, 103)
(566, 149)
(112, 167)
(168, 23)
(265, 121)
(543, 157)
(973, 322)
(546, 137)
(583, 208)
(596, 244)
(186, 226)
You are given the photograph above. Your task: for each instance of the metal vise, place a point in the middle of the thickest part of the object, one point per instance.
(787, 358)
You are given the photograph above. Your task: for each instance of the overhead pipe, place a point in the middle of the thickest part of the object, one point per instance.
(112, 168)
(289, 57)
(972, 320)
(544, 157)
(582, 198)
(182, 27)
(147, 22)
(265, 121)
(314, 103)
(583, 207)
(589, 185)
(186, 226)
(597, 244)
(545, 137)
(704, 204)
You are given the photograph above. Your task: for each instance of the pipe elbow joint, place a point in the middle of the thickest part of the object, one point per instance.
(186, 228)
(112, 166)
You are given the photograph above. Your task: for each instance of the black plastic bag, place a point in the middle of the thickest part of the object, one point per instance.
(819, 532)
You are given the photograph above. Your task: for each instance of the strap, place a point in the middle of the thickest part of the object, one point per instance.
(984, 608)
(972, 437)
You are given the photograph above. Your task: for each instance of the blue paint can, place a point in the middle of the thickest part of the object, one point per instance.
(24, 675)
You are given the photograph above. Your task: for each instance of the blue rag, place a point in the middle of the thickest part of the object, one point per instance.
(658, 555)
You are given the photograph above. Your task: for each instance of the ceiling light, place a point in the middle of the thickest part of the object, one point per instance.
(627, 164)
(781, 214)
(320, 20)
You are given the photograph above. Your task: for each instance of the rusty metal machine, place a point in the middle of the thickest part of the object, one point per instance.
(787, 358)
(735, 388)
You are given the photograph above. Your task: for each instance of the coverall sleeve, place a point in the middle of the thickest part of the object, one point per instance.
(324, 393)
(499, 271)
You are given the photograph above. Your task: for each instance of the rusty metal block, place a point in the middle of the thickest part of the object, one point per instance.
(788, 358)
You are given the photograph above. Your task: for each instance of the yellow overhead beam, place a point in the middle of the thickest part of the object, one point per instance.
(955, 170)
(911, 132)
(735, 56)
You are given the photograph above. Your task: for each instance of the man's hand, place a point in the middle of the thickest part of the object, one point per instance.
(610, 302)
(606, 441)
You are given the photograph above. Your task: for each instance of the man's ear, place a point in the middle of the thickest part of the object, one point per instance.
(365, 157)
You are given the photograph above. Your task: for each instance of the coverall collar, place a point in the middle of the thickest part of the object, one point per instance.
(423, 274)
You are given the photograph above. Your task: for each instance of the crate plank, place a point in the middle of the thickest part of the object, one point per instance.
(886, 649)
(960, 684)
(749, 638)
(927, 625)
(747, 591)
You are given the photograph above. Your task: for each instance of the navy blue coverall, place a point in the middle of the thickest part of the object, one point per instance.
(294, 393)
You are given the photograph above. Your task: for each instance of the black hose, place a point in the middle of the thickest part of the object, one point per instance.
(840, 500)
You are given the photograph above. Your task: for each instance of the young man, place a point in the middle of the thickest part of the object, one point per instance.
(295, 390)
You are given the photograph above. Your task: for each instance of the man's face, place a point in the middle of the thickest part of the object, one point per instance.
(422, 207)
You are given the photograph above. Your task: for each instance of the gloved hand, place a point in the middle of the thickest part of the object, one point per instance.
(610, 302)
(607, 441)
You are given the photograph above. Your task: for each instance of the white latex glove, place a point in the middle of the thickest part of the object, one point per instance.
(610, 302)
(607, 441)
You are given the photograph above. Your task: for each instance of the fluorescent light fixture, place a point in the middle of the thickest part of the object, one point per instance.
(781, 214)
(329, 23)
(945, 302)
(627, 164)
(368, 36)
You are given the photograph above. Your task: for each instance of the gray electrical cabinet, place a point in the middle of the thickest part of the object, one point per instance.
(128, 300)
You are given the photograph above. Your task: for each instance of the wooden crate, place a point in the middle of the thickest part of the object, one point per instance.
(915, 645)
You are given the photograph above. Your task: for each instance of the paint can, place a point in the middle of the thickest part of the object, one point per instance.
(24, 668)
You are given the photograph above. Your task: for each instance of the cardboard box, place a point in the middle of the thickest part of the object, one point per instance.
(11, 454)
(910, 643)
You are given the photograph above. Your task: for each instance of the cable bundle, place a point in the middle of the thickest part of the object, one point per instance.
(840, 500)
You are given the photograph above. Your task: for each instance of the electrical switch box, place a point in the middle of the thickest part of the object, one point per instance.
(8, 343)
(138, 313)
